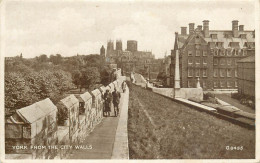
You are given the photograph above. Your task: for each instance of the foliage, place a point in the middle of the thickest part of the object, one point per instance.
(30, 80)
(161, 76)
(244, 99)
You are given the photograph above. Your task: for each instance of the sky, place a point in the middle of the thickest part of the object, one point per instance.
(82, 27)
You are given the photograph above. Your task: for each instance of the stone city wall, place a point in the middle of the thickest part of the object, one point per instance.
(37, 125)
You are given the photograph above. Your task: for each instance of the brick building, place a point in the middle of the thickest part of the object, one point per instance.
(246, 76)
(211, 55)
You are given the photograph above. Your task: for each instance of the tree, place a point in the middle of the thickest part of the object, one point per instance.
(76, 77)
(17, 93)
(57, 59)
(43, 58)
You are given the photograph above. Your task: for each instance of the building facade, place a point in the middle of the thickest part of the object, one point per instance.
(211, 55)
(130, 59)
(246, 76)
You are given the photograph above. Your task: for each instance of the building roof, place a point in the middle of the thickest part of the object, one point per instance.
(86, 96)
(79, 97)
(36, 111)
(69, 101)
(96, 92)
(250, 59)
(224, 36)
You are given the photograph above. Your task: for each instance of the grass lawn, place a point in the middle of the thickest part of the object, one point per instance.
(161, 128)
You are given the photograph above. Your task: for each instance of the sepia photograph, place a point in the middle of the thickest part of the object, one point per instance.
(129, 80)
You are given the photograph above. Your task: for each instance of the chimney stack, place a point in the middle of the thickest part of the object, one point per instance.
(235, 28)
(183, 30)
(191, 28)
(200, 27)
(206, 28)
(241, 27)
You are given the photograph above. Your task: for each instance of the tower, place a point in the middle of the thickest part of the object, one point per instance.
(102, 51)
(132, 45)
(110, 46)
(119, 45)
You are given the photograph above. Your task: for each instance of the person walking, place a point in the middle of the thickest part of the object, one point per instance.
(108, 99)
(116, 99)
(124, 86)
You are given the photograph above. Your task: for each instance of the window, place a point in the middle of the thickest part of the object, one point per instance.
(229, 52)
(204, 84)
(214, 36)
(215, 52)
(235, 83)
(243, 36)
(204, 72)
(222, 84)
(197, 74)
(229, 61)
(229, 84)
(197, 61)
(215, 72)
(189, 53)
(189, 84)
(222, 72)
(244, 52)
(228, 72)
(215, 84)
(215, 61)
(222, 61)
(204, 53)
(190, 61)
(222, 52)
(235, 72)
(220, 44)
(204, 61)
(236, 52)
(197, 47)
(189, 72)
(197, 52)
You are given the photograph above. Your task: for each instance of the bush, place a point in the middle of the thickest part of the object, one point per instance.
(206, 96)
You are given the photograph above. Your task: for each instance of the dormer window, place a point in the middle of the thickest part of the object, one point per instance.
(212, 44)
(214, 36)
(228, 35)
(219, 44)
(243, 36)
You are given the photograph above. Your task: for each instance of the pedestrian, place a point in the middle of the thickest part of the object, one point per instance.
(108, 99)
(124, 86)
(116, 99)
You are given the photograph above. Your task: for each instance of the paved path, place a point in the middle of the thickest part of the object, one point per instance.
(227, 98)
(102, 139)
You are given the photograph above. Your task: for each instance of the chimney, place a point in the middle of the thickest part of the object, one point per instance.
(206, 28)
(183, 30)
(191, 28)
(235, 28)
(200, 27)
(241, 27)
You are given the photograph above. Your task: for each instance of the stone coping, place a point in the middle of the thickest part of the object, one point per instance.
(121, 150)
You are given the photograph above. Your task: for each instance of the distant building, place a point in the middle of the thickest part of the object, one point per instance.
(130, 59)
(211, 55)
(246, 76)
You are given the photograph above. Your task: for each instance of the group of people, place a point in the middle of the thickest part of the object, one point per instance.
(114, 98)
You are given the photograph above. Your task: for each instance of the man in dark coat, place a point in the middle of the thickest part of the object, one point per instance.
(116, 99)
(108, 99)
